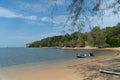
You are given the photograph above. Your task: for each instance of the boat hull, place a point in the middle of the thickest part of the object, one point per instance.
(114, 72)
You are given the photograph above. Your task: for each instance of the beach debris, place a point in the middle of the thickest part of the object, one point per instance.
(114, 72)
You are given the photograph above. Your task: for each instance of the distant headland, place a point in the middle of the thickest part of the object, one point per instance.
(97, 37)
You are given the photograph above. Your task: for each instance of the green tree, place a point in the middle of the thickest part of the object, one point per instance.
(98, 38)
(113, 35)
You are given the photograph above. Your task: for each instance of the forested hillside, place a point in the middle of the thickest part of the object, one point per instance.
(107, 37)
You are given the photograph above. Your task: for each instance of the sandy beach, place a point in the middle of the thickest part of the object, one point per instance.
(36, 73)
(82, 71)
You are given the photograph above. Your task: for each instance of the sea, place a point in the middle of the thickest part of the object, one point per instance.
(25, 56)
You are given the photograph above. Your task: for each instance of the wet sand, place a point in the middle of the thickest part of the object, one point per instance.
(80, 71)
(53, 73)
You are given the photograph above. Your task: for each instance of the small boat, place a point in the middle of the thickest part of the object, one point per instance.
(84, 55)
(114, 72)
(81, 56)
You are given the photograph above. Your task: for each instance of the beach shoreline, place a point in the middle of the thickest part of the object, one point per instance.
(90, 48)
(85, 48)
(80, 71)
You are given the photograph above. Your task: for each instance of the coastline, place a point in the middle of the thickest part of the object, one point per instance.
(85, 48)
(90, 48)
(80, 71)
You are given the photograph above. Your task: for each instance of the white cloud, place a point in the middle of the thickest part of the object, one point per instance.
(9, 14)
(60, 19)
(32, 7)
(6, 13)
(107, 20)
(110, 20)
(31, 17)
(56, 19)
(40, 5)
(59, 23)
(35, 23)
(45, 19)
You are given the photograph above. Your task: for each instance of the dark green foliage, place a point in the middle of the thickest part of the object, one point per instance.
(61, 41)
(98, 38)
(110, 36)
(113, 36)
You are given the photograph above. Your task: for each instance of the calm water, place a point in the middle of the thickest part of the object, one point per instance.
(17, 56)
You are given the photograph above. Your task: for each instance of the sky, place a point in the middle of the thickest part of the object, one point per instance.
(25, 21)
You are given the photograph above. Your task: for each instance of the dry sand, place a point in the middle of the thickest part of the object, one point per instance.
(90, 70)
(83, 71)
